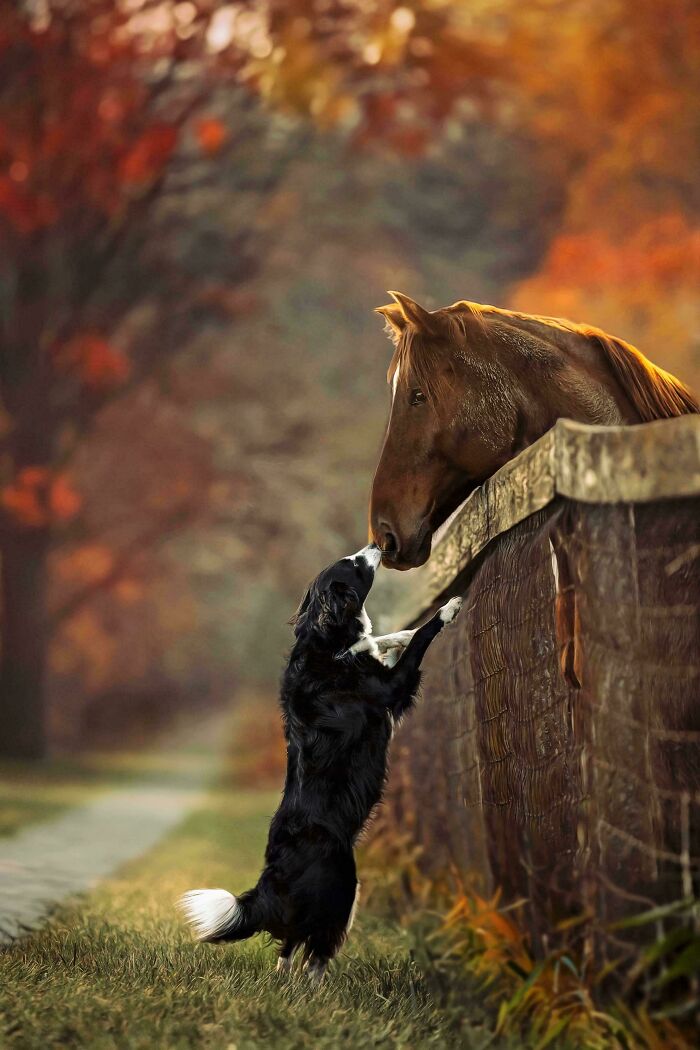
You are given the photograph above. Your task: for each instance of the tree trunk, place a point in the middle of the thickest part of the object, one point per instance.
(24, 643)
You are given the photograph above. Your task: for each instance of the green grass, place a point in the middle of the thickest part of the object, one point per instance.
(118, 970)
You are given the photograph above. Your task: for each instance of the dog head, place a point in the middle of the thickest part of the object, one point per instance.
(334, 603)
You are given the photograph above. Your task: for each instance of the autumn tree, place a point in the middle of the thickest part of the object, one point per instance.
(94, 109)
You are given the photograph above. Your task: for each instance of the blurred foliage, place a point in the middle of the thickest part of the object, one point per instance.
(560, 997)
(258, 757)
(200, 204)
(644, 284)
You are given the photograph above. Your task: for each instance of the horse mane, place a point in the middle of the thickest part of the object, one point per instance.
(654, 392)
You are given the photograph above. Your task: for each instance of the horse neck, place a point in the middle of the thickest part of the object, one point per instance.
(640, 390)
(580, 383)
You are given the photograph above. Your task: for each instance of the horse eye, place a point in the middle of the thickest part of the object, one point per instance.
(417, 397)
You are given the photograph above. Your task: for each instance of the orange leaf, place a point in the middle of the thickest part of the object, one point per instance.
(64, 501)
(128, 591)
(22, 505)
(99, 366)
(36, 498)
(24, 500)
(211, 135)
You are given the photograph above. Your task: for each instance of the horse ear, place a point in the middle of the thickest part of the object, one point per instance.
(395, 320)
(415, 314)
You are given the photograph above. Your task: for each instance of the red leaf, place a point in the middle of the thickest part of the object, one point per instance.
(98, 366)
(23, 500)
(149, 154)
(36, 498)
(64, 500)
(211, 135)
(26, 211)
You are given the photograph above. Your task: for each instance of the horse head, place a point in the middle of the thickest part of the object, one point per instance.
(471, 386)
(436, 448)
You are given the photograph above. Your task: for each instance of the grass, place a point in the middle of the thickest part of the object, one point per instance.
(118, 970)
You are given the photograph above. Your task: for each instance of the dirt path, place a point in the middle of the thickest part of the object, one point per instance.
(45, 863)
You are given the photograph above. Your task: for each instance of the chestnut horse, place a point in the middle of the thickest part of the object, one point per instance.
(472, 386)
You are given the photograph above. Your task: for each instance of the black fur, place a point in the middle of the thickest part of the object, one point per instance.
(339, 709)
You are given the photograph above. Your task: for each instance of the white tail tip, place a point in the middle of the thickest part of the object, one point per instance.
(210, 913)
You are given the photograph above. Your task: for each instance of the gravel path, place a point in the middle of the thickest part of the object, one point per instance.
(44, 864)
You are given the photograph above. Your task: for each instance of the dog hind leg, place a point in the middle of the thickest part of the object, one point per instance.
(286, 956)
(316, 970)
(331, 912)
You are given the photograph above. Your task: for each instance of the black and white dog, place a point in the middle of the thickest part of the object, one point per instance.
(342, 693)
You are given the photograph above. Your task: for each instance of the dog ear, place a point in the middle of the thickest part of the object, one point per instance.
(337, 604)
(328, 609)
(303, 606)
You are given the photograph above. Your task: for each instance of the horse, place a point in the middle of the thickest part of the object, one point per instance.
(472, 386)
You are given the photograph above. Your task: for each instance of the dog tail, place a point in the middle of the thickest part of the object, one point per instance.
(216, 915)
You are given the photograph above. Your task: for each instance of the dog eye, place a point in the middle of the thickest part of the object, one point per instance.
(417, 397)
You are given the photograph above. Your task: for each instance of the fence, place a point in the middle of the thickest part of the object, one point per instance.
(556, 751)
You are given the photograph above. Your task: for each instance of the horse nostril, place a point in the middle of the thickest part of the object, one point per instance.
(390, 545)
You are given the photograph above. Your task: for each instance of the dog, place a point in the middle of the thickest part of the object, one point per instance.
(342, 693)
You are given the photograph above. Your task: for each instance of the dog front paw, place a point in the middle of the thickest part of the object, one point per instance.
(450, 610)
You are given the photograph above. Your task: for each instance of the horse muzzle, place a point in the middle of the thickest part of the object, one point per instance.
(402, 555)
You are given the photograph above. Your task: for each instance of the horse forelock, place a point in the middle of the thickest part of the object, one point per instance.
(418, 362)
(420, 357)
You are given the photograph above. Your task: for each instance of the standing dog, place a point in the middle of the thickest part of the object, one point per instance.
(342, 693)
